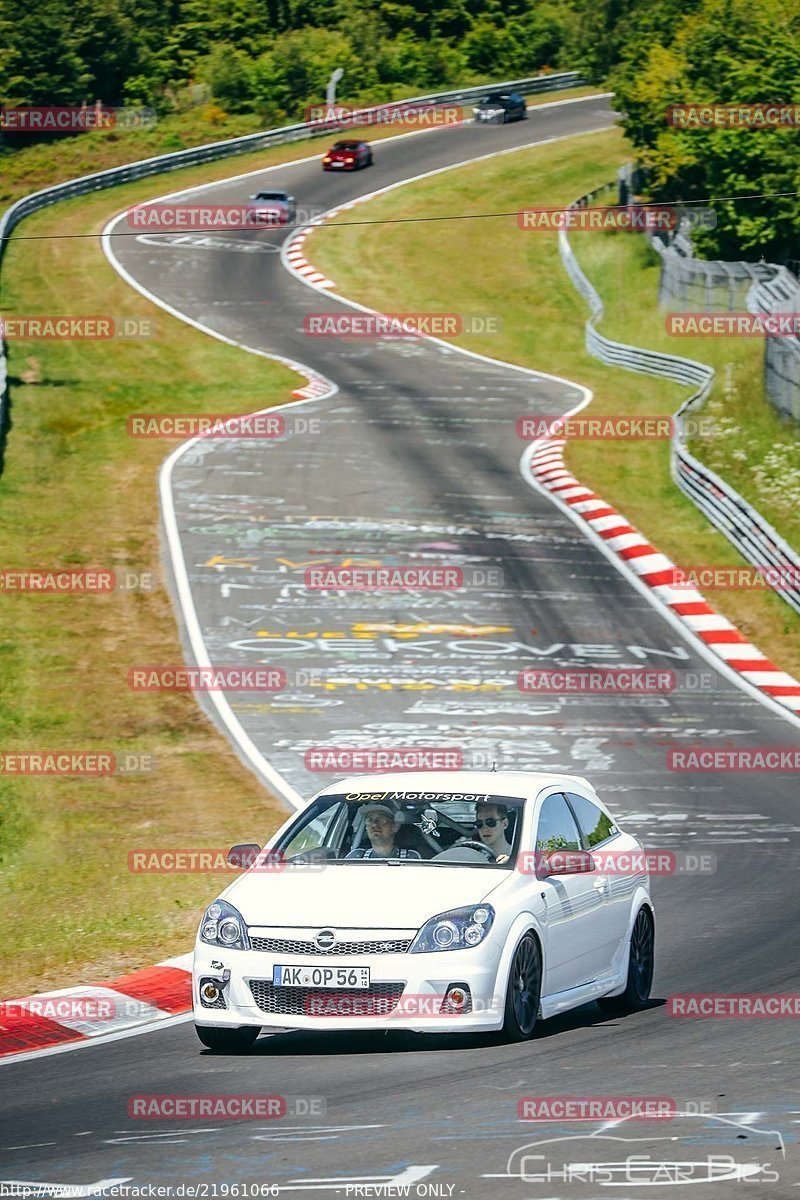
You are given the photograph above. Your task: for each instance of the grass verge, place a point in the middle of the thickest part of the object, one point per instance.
(494, 267)
(78, 492)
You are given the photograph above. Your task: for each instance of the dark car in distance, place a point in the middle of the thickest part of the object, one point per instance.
(500, 108)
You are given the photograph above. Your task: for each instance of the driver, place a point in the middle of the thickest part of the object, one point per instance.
(382, 825)
(491, 822)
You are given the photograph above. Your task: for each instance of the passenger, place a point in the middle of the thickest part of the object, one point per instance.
(382, 825)
(491, 822)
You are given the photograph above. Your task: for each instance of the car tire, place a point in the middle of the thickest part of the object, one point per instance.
(523, 991)
(228, 1041)
(641, 962)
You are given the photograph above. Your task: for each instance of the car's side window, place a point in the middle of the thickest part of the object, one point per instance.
(556, 829)
(595, 825)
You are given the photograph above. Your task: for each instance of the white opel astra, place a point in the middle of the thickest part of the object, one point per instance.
(442, 902)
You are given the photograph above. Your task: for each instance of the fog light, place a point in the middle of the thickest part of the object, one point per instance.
(212, 991)
(457, 1000)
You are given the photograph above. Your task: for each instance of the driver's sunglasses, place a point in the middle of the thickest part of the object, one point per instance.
(490, 822)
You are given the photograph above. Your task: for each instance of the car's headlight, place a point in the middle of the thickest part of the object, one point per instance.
(459, 929)
(222, 925)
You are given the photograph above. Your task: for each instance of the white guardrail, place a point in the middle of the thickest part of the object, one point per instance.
(213, 151)
(750, 533)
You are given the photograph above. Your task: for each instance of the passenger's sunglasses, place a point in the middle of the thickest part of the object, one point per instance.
(489, 821)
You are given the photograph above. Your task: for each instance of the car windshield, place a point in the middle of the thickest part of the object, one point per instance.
(440, 829)
(271, 196)
(496, 99)
(346, 146)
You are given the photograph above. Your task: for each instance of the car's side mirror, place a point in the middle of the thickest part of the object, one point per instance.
(243, 855)
(566, 862)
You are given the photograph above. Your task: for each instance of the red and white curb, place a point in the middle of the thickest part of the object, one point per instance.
(78, 1014)
(294, 255)
(658, 573)
(316, 386)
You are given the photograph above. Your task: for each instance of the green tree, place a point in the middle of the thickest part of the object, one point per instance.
(729, 51)
(40, 59)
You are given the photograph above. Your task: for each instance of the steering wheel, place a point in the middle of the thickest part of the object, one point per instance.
(473, 844)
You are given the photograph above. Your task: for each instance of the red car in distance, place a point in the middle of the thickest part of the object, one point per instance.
(347, 156)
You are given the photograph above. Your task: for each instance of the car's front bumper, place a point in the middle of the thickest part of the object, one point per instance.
(414, 1003)
(266, 220)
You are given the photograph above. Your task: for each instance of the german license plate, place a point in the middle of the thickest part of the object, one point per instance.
(341, 978)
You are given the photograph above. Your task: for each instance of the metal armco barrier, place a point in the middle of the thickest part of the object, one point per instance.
(750, 533)
(775, 293)
(213, 151)
(688, 284)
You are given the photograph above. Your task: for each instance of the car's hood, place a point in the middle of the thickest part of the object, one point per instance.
(359, 895)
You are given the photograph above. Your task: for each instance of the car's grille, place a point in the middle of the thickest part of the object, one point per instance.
(378, 1000)
(289, 946)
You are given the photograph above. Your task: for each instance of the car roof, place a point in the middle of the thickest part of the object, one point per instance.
(498, 783)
